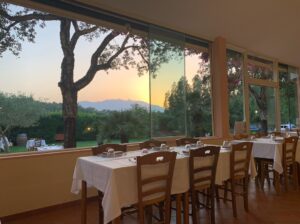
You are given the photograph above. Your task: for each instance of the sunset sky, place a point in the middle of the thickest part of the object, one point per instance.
(37, 71)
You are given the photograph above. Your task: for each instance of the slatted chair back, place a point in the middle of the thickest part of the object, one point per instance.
(240, 160)
(186, 140)
(154, 181)
(103, 148)
(276, 133)
(202, 167)
(289, 150)
(240, 136)
(151, 143)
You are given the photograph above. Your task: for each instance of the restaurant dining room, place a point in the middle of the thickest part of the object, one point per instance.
(149, 112)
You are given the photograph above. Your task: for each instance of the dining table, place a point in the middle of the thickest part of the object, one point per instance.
(117, 178)
(268, 148)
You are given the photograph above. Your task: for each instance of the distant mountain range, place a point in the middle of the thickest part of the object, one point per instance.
(118, 105)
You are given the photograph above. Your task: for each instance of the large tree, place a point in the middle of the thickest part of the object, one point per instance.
(115, 49)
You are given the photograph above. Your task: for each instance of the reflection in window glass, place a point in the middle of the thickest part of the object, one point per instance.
(259, 68)
(167, 83)
(198, 92)
(288, 79)
(235, 87)
(262, 108)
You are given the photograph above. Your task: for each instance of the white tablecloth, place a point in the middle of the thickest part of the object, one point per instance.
(269, 149)
(31, 143)
(116, 178)
(49, 148)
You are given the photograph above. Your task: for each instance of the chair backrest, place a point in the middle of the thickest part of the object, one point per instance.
(298, 132)
(186, 140)
(202, 167)
(240, 159)
(103, 148)
(289, 150)
(240, 136)
(276, 133)
(151, 143)
(154, 177)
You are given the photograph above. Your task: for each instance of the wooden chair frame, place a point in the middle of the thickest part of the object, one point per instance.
(103, 148)
(238, 176)
(151, 143)
(186, 140)
(204, 152)
(152, 160)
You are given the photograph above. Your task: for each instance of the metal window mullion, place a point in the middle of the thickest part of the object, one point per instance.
(246, 92)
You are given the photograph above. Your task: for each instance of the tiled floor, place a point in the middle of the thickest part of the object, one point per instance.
(264, 207)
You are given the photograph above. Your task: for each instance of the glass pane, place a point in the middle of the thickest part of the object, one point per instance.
(167, 83)
(262, 108)
(235, 87)
(197, 71)
(288, 79)
(259, 68)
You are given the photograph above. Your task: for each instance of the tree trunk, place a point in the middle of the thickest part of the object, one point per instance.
(67, 86)
(69, 115)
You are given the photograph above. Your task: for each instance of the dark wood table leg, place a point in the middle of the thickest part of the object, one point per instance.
(83, 202)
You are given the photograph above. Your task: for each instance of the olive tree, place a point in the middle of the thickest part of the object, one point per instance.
(17, 111)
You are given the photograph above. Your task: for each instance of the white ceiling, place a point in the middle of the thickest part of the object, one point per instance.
(268, 27)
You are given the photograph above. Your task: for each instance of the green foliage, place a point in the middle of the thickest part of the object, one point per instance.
(19, 110)
(123, 125)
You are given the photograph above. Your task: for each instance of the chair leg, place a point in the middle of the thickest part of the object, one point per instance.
(245, 193)
(178, 208)
(194, 207)
(285, 178)
(212, 204)
(141, 216)
(225, 191)
(233, 198)
(217, 193)
(161, 212)
(295, 175)
(276, 181)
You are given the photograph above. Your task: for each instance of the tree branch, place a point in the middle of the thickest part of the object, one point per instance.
(31, 16)
(78, 33)
(89, 76)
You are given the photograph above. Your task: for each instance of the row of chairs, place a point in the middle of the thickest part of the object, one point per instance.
(201, 176)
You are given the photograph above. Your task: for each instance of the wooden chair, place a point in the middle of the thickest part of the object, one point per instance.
(96, 151)
(240, 136)
(151, 143)
(276, 133)
(186, 140)
(202, 171)
(155, 188)
(289, 164)
(103, 148)
(239, 174)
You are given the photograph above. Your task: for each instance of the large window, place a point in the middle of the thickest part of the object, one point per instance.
(288, 82)
(130, 84)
